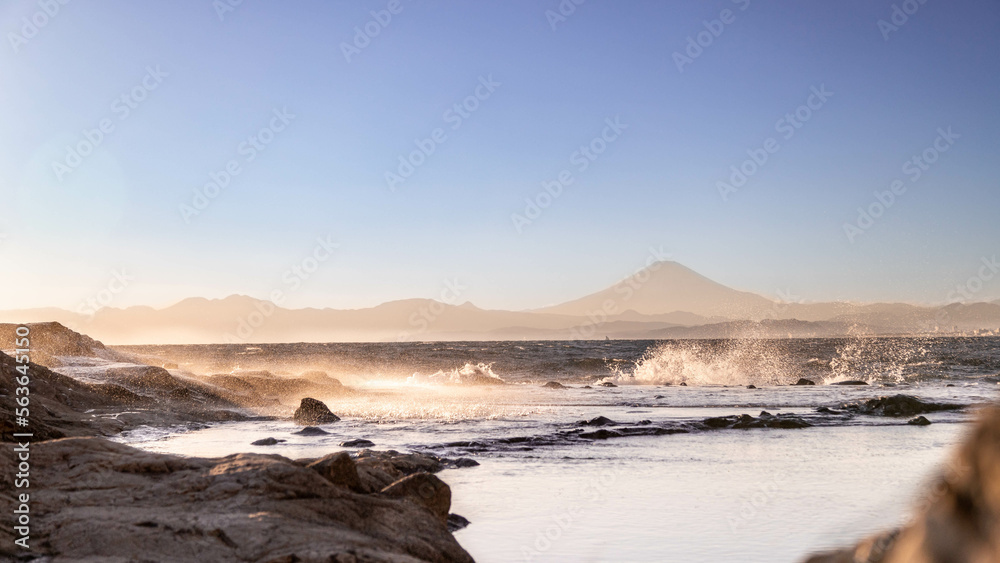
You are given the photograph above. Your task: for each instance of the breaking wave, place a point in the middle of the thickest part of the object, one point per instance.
(469, 374)
(742, 362)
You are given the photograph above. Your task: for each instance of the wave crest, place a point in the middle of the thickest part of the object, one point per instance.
(469, 374)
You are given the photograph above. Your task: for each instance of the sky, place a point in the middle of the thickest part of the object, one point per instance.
(523, 152)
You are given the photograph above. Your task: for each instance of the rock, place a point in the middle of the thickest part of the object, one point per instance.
(312, 412)
(554, 385)
(657, 396)
(378, 470)
(358, 443)
(850, 382)
(311, 431)
(466, 462)
(644, 422)
(898, 406)
(456, 522)
(764, 414)
(266, 442)
(425, 490)
(338, 469)
(104, 501)
(586, 387)
(607, 384)
(826, 410)
(959, 519)
(597, 421)
(745, 421)
(751, 386)
(804, 381)
(601, 434)
(684, 384)
(918, 421)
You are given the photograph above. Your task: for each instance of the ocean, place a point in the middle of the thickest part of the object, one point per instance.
(664, 475)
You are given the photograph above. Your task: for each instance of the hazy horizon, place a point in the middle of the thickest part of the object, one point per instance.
(336, 108)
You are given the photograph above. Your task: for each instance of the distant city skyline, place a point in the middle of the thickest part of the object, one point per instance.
(519, 155)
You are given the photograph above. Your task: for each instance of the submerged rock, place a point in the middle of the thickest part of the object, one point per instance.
(266, 442)
(919, 421)
(850, 382)
(456, 522)
(311, 412)
(357, 443)
(804, 381)
(602, 434)
(745, 421)
(554, 385)
(311, 431)
(607, 384)
(751, 386)
(466, 462)
(898, 405)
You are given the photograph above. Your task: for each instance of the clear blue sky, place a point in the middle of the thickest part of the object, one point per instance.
(654, 186)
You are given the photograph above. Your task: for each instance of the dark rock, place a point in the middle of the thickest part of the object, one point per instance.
(586, 387)
(266, 442)
(684, 384)
(602, 434)
(644, 422)
(751, 386)
(764, 414)
(804, 381)
(745, 421)
(338, 469)
(358, 443)
(456, 522)
(311, 412)
(425, 490)
(607, 384)
(918, 421)
(466, 462)
(598, 421)
(719, 421)
(554, 385)
(311, 431)
(826, 410)
(658, 396)
(898, 405)
(850, 382)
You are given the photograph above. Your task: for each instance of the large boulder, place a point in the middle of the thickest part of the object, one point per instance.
(95, 500)
(311, 412)
(425, 490)
(898, 405)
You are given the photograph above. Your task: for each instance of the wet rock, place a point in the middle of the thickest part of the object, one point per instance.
(826, 410)
(745, 421)
(338, 469)
(764, 414)
(898, 405)
(918, 421)
(602, 434)
(105, 501)
(456, 522)
(266, 442)
(598, 421)
(554, 385)
(586, 387)
(850, 382)
(804, 381)
(751, 386)
(425, 490)
(312, 412)
(684, 384)
(607, 384)
(466, 462)
(357, 443)
(658, 396)
(644, 422)
(311, 431)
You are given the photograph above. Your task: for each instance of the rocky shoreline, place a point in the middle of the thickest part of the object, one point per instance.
(97, 500)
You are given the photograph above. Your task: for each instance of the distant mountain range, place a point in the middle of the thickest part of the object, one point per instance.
(665, 300)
